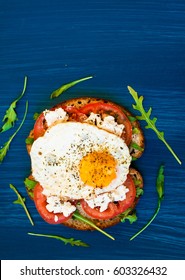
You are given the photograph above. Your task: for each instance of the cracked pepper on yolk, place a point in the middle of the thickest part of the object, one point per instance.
(98, 169)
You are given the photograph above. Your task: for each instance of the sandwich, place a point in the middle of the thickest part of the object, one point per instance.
(81, 153)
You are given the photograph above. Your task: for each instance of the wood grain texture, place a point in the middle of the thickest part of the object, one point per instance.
(137, 43)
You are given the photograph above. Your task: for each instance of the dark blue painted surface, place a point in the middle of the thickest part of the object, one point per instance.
(140, 43)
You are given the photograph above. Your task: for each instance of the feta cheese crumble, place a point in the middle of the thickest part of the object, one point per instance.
(103, 200)
(55, 205)
(108, 123)
(53, 116)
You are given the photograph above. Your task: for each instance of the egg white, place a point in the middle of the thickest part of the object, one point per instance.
(56, 156)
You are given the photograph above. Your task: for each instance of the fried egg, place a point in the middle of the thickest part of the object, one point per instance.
(74, 160)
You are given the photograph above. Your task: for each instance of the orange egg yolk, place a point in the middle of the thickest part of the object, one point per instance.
(98, 169)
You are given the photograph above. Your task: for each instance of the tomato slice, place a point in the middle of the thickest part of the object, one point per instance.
(114, 208)
(74, 113)
(41, 126)
(40, 203)
(130, 196)
(113, 110)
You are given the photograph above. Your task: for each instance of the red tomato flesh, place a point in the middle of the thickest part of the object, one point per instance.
(39, 128)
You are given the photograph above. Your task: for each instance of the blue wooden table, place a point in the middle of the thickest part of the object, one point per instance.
(120, 43)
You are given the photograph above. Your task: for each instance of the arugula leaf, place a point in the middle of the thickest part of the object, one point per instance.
(79, 217)
(11, 115)
(131, 118)
(66, 241)
(160, 183)
(20, 200)
(6, 146)
(36, 115)
(131, 217)
(4, 150)
(29, 140)
(136, 146)
(30, 185)
(135, 130)
(151, 123)
(139, 191)
(160, 193)
(65, 87)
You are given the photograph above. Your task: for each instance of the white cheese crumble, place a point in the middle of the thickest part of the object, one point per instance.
(103, 200)
(53, 116)
(56, 206)
(108, 123)
(56, 218)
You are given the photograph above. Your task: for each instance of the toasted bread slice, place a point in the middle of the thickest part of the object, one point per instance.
(137, 137)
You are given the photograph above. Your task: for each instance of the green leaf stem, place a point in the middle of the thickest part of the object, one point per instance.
(160, 193)
(65, 87)
(79, 217)
(66, 241)
(20, 200)
(6, 146)
(151, 122)
(11, 116)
